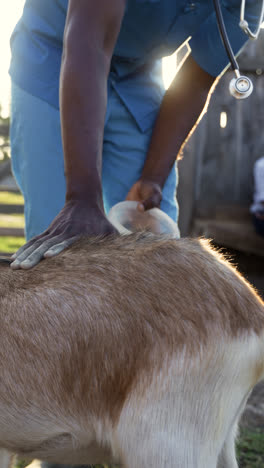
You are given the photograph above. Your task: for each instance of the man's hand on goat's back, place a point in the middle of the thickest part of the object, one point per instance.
(75, 220)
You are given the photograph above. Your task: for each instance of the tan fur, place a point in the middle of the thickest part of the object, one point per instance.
(114, 324)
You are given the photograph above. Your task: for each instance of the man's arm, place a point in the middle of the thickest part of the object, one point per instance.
(90, 35)
(91, 32)
(183, 106)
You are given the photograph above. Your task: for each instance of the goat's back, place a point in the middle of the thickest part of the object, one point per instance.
(81, 329)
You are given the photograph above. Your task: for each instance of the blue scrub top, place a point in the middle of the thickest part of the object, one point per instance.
(150, 30)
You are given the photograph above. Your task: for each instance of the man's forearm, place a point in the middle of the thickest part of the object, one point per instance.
(183, 106)
(83, 103)
(90, 35)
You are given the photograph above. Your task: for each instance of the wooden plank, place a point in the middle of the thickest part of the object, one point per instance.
(11, 232)
(251, 58)
(6, 254)
(11, 209)
(5, 168)
(233, 212)
(4, 130)
(238, 235)
(7, 188)
(230, 211)
(186, 189)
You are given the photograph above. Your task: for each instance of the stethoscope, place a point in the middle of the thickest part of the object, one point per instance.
(241, 86)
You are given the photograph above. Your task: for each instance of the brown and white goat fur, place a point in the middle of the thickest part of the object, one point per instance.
(138, 350)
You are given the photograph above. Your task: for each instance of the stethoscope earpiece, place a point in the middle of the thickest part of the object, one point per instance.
(241, 87)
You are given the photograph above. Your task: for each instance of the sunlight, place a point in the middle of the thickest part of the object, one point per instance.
(10, 11)
(223, 119)
(169, 65)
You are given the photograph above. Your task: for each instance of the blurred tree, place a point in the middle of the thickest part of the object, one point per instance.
(4, 137)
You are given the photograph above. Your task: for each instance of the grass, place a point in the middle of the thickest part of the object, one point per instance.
(11, 244)
(11, 198)
(20, 464)
(250, 450)
(12, 220)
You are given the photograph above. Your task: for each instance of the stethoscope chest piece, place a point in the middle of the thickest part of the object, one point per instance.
(241, 87)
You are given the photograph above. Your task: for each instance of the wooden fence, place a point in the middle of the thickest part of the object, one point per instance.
(8, 185)
(216, 180)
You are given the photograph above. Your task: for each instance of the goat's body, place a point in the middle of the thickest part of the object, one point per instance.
(135, 350)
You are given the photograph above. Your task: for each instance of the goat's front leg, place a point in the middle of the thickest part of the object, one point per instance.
(147, 446)
(167, 458)
(227, 457)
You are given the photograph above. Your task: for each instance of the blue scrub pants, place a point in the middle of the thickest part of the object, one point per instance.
(38, 166)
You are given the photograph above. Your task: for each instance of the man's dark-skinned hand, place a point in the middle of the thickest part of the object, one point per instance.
(147, 193)
(73, 221)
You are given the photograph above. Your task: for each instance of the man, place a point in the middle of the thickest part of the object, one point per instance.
(117, 125)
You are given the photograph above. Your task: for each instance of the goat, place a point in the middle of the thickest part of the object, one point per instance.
(140, 350)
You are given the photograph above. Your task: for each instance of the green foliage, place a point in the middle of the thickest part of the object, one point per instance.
(12, 220)
(20, 464)
(4, 120)
(250, 449)
(23, 464)
(11, 244)
(4, 137)
(11, 198)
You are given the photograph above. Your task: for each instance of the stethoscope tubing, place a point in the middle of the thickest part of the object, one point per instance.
(224, 36)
